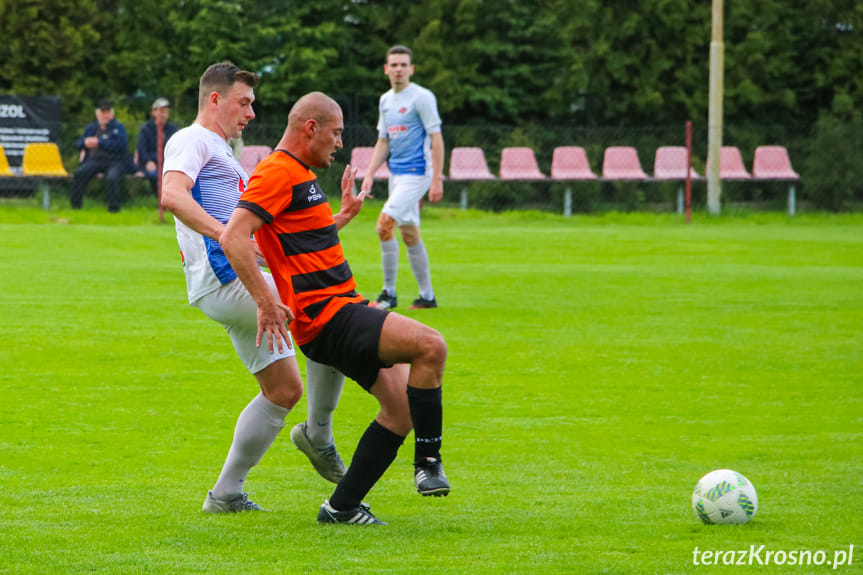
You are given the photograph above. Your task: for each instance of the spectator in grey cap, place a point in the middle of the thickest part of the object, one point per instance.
(149, 151)
(104, 147)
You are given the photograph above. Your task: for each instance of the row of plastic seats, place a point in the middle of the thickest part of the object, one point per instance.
(569, 163)
(41, 162)
(41, 159)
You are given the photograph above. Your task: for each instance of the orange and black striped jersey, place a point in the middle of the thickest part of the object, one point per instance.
(300, 241)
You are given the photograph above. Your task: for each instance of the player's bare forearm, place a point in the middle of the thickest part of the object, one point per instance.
(177, 199)
(379, 156)
(436, 189)
(437, 156)
(240, 249)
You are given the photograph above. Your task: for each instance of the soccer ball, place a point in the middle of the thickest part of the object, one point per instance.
(724, 497)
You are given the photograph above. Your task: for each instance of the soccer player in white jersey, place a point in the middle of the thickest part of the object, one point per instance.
(409, 132)
(202, 183)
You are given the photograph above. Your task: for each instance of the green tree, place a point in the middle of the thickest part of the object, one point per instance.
(45, 47)
(638, 62)
(140, 54)
(293, 46)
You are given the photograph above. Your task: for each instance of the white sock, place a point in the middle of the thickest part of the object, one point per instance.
(419, 260)
(390, 264)
(258, 425)
(323, 389)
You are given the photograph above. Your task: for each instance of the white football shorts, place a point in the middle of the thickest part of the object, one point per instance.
(405, 193)
(232, 306)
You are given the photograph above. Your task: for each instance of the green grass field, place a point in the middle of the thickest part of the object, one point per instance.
(598, 366)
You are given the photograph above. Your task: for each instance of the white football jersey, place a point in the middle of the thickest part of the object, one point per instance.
(207, 159)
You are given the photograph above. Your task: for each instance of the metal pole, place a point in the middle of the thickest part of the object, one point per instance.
(714, 121)
(688, 198)
(160, 155)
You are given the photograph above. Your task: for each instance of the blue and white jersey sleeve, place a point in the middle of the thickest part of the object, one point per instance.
(219, 181)
(406, 119)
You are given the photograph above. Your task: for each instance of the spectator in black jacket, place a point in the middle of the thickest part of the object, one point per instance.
(104, 144)
(148, 141)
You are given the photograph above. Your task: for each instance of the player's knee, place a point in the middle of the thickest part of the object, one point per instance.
(385, 227)
(390, 392)
(434, 348)
(286, 396)
(410, 235)
(397, 421)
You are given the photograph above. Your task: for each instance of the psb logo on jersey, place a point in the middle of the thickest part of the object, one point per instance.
(314, 194)
(306, 195)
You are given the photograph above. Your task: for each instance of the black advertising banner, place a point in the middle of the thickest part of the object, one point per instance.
(25, 119)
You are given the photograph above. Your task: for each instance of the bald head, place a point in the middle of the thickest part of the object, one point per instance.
(315, 106)
(314, 132)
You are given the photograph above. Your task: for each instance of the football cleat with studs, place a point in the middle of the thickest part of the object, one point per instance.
(385, 301)
(357, 516)
(430, 479)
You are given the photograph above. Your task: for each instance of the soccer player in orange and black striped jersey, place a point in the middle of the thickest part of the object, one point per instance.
(397, 359)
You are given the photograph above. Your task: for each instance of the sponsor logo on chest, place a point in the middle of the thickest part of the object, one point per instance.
(314, 195)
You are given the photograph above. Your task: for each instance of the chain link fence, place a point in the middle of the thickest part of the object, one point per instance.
(805, 144)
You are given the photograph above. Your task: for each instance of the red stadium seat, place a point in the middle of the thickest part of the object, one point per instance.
(519, 164)
(622, 163)
(361, 157)
(670, 164)
(730, 165)
(570, 163)
(468, 164)
(772, 163)
(251, 155)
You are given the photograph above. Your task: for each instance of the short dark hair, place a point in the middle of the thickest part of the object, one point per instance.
(399, 49)
(222, 76)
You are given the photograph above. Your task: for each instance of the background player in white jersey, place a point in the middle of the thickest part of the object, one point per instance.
(409, 132)
(202, 183)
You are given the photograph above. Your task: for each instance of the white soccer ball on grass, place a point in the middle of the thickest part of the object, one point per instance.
(724, 497)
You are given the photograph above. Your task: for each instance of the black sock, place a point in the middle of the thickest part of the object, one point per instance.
(375, 452)
(427, 417)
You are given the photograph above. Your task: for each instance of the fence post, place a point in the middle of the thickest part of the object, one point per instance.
(463, 200)
(792, 200)
(46, 196)
(567, 202)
